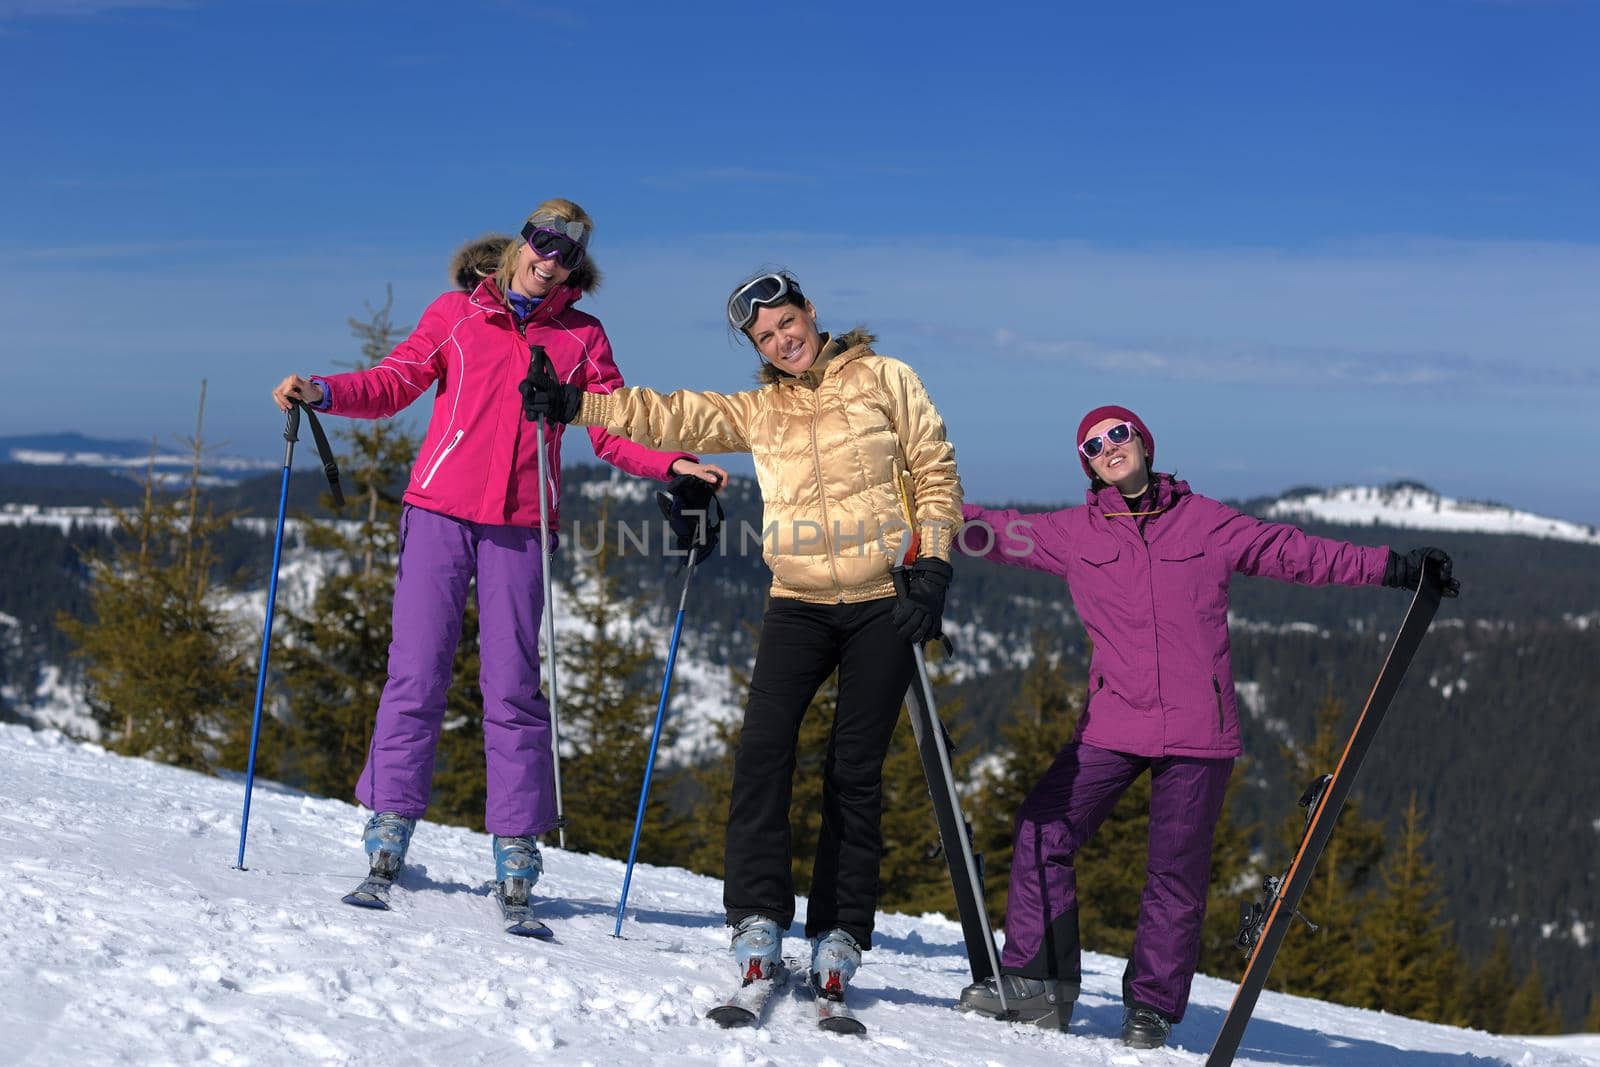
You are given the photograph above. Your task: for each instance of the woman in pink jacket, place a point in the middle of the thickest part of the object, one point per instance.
(471, 511)
(1148, 563)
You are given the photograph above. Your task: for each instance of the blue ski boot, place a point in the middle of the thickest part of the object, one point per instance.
(834, 959)
(757, 948)
(387, 837)
(517, 866)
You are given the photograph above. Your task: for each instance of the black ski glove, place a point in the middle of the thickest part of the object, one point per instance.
(544, 397)
(1405, 572)
(693, 513)
(918, 615)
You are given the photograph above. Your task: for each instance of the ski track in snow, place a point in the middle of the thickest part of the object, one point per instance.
(128, 937)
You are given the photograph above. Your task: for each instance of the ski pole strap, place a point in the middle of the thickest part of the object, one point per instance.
(324, 451)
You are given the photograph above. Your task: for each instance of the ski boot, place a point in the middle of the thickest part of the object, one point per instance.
(834, 959)
(517, 866)
(1144, 1027)
(1039, 1001)
(757, 948)
(386, 839)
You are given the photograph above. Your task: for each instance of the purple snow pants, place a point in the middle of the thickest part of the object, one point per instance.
(439, 557)
(1059, 817)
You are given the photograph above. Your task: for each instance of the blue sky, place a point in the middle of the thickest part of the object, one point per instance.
(1310, 244)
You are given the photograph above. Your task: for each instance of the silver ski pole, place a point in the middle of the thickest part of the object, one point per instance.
(549, 612)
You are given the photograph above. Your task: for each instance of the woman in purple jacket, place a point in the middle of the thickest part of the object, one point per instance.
(471, 515)
(1148, 563)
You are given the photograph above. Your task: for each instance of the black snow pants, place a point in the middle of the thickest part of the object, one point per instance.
(801, 644)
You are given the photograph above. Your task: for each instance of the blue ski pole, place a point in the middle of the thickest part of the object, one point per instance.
(655, 740)
(291, 433)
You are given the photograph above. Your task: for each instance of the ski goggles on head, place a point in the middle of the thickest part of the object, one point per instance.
(559, 238)
(757, 293)
(1120, 434)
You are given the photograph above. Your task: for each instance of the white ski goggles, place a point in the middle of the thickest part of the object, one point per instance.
(762, 291)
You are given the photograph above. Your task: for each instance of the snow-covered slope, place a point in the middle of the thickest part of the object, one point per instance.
(128, 937)
(1411, 506)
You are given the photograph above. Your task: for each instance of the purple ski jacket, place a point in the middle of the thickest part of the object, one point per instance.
(480, 461)
(1155, 604)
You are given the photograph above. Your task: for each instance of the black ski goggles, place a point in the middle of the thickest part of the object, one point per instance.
(759, 292)
(1120, 434)
(559, 238)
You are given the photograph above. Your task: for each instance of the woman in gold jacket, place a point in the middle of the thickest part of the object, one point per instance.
(832, 428)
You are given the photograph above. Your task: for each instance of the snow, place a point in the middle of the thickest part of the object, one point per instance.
(1415, 507)
(128, 937)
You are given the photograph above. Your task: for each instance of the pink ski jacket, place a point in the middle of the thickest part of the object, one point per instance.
(1155, 604)
(479, 461)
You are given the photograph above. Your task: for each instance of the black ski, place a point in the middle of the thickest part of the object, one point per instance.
(516, 911)
(373, 892)
(745, 1005)
(933, 746)
(954, 831)
(832, 1013)
(1264, 926)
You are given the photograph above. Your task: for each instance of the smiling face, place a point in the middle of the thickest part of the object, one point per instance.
(1120, 465)
(536, 275)
(787, 337)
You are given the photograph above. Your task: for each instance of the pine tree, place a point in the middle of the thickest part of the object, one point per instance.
(1410, 960)
(1327, 964)
(1528, 1011)
(168, 674)
(1591, 1020)
(610, 690)
(1491, 988)
(331, 670)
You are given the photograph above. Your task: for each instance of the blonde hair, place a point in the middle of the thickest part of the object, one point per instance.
(586, 276)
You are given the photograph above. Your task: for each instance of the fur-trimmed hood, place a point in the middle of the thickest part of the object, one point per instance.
(480, 258)
(859, 337)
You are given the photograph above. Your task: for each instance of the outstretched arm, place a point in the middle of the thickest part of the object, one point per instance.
(701, 422)
(1287, 553)
(1034, 540)
(635, 457)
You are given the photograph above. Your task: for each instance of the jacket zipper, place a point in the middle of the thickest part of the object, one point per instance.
(1217, 687)
(822, 495)
(451, 447)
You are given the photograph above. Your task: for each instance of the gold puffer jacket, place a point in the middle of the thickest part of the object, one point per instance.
(829, 447)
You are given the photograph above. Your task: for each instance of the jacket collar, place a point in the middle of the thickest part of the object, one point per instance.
(487, 297)
(1110, 503)
(834, 353)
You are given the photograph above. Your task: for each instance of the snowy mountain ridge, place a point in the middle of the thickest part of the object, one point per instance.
(130, 938)
(1412, 506)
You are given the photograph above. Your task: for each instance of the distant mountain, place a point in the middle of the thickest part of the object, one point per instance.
(1408, 505)
(129, 458)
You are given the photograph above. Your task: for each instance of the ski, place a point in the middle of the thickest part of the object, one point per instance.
(517, 913)
(933, 746)
(832, 1013)
(373, 892)
(1264, 925)
(746, 1004)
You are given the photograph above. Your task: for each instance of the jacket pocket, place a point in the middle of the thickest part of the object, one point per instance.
(1100, 556)
(1094, 687)
(451, 447)
(1179, 553)
(1216, 687)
